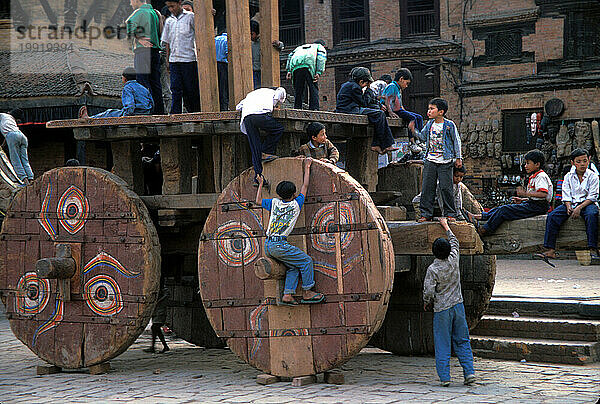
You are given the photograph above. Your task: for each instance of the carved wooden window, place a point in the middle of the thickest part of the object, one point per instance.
(5, 10)
(350, 20)
(503, 45)
(582, 35)
(291, 22)
(420, 17)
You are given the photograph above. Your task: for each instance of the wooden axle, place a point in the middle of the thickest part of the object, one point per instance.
(62, 266)
(55, 268)
(268, 268)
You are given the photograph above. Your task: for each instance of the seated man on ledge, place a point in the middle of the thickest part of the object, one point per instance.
(136, 99)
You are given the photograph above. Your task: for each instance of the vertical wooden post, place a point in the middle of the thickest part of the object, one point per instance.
(206, 55)
(209, 92)
(269, 32)
(361, 162)
(127, 163)
(239, 50)
(176, 162)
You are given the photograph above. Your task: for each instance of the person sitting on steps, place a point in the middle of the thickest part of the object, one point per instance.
(284, 213)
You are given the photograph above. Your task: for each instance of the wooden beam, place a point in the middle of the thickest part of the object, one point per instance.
(189, 201)
(269, 32)
(239, 50)
(527, 236)
(412, 238)
(176, 163)
(127, 163)
(206, 55)
(361, 161)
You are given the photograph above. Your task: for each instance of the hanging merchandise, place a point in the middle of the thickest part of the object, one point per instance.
(562, 141)
(596, 136)
(583, 136)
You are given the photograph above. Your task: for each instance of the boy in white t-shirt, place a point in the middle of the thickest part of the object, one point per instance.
(529, 202)
(284, 213)
(442, 155)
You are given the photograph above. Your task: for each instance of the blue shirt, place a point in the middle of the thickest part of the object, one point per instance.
(393, 92)
(136, 99)
(221, 46)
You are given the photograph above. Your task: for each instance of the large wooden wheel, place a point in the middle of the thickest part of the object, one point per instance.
(79, 266)
(341, 229)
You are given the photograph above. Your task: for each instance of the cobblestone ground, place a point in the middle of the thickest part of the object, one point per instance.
(190, 374)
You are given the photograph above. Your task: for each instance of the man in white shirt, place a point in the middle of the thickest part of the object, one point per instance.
(257, 110)
(17, 144)
(179, 37)
(580, 199)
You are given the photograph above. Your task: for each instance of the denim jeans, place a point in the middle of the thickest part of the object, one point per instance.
(147, 67)
(382, 134)
(304, 80)
(256, 78)
(109, 113)
(450, 330)
(184, 86)
(297, 262)
(411, 116)
(274, 130)
(499, 215)
(432, 172)
(559, 215)
(17, 148)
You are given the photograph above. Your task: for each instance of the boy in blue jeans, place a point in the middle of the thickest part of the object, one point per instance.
(443, 153)
(136, 99)
(580, 198)
(442, 290)
(393, 99)
(533, 201)
(284, 213)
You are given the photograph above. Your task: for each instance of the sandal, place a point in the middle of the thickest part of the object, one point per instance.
(284, 303)
(423, 219)
(269, 157)
(318, 298)
(544, 258)
(451, 219)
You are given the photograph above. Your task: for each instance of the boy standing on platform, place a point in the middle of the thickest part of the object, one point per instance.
(442, 290)
(257, 109)
(319, 147)
(580, 197)
(284, 214)
(179, 37)
(529, 202)
(443, 153)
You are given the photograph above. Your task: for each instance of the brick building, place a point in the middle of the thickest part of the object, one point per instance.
(496, 62)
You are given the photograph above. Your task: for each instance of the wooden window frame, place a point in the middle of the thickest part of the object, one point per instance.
(338, 21)
(405, 20)
(301, 27)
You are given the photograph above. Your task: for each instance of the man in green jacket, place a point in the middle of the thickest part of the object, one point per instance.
(304, 66)
(144, 26)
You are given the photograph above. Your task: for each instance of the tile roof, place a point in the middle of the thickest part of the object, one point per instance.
(62, 73)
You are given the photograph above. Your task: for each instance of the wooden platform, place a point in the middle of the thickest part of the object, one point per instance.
(341, 126)
(412, 238)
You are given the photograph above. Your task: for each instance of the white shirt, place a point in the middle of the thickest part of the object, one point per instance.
(259, 101)
(8, 124)
(378, 86)
(576, 192)
(179, 33)
(540, 182)
(436, 144)
(283, 215)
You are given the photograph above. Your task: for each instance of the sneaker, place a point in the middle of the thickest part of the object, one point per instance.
(469, 380)
(446, 383)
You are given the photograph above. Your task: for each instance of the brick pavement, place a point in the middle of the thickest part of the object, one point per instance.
(192, 374)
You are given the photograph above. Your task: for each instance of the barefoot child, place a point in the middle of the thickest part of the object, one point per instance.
(284, 213)
(442, 289)
(443, 153)
(580, 197)
(529, 202)
(136, 99)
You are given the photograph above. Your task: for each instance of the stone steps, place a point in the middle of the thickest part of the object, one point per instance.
(539, 327)
(536, 350)
(539, 330)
